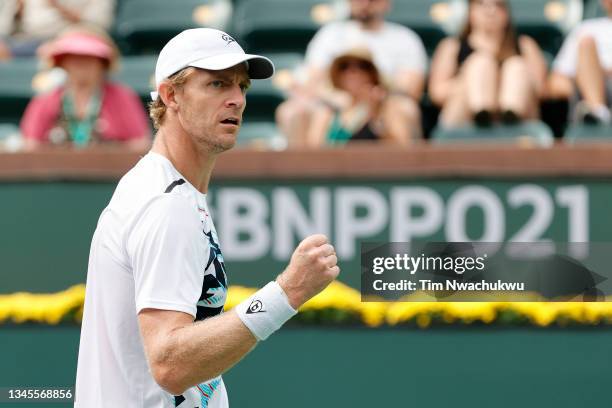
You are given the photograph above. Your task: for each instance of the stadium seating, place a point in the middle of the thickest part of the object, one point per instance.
(138, 72)
(282, 30)
(593, 9)
(432, 20)
(144, 26)
(7, 130)
(546, 21)
(280, 25)
(16, 87)
(581, 133)
(532, 133)
(265, 95)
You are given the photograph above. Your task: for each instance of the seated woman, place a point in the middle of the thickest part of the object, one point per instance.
(88, 108)
(582, 71)
(358, 107)
(488, 73)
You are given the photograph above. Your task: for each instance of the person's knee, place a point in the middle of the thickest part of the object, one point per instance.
(293, 111)
(403, 106)
(480, 61)
(285, 111)
(515, 66)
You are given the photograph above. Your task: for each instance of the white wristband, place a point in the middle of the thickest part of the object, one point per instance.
(265, 311)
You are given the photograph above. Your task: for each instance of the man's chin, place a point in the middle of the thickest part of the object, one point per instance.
(223, 143)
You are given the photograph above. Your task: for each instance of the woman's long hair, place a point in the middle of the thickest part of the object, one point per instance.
(509, 45)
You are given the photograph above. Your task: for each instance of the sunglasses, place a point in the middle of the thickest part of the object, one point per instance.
(356, 64)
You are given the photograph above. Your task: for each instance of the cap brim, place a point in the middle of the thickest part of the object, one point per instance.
(259, 67)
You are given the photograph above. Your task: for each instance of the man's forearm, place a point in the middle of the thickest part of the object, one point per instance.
(198, 352)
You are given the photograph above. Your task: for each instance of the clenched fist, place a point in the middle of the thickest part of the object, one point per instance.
(313, 266)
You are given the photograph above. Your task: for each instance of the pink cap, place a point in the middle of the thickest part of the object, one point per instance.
(80, 44)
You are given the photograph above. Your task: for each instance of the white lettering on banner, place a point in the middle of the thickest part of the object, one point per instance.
(403, 225)
(475, 196)
(253, 225)
(290, 219)
(350, 228)
(576, 199)
(543, 209)
(252, 221)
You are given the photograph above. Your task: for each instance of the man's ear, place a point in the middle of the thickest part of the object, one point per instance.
(168, 95)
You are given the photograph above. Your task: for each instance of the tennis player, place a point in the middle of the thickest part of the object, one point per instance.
(154, 335)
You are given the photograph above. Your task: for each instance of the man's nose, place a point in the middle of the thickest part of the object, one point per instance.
(237, 97)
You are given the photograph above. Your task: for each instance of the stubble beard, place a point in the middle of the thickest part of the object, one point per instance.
(214, 145)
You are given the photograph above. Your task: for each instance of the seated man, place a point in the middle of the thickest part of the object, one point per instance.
(582, 71)
(398, 51)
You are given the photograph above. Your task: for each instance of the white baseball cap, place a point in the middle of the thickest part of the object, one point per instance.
(207, 48)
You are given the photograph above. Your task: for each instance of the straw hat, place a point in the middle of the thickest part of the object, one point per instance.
(362, 54)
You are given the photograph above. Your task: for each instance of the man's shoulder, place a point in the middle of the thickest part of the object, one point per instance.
(334, 27)
(399, 30)
(591, 26)
(599, 24)
(146, 180)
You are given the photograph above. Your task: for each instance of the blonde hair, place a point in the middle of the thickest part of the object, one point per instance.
(157, 108)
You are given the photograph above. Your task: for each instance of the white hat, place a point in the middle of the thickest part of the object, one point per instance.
(207, 48)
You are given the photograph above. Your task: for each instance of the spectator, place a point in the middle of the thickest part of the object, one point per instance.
(398, 51)
(582, 71)
(9, 10)
(88, 108)
(361, 111)
(36, 21)
(488, 72)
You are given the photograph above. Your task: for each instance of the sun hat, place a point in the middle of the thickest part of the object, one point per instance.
(81, 41)
(207, 48)
(359, 53)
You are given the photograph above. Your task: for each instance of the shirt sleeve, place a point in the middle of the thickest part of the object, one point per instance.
(322, 48)
(167, 251)
(412, 55)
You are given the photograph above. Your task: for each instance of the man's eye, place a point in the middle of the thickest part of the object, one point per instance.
(244, 87)
(217, 84)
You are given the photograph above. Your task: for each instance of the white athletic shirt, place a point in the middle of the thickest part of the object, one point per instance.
(155, 246)
(394, 47)
(601, 30)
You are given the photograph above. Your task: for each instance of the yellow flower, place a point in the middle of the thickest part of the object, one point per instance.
(53, 308)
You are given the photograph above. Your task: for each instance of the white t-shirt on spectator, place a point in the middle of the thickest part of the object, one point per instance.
(40, 19)
(155, 246)
(395, 48)
(598, 28)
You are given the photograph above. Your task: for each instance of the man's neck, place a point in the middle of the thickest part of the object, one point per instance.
(193, 163)
(372, 25)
